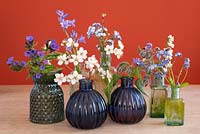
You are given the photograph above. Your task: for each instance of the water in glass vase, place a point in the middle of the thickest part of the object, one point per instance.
(158, 96)
(174, 110)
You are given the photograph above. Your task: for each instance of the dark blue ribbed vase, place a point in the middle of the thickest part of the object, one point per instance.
(127, 105)
(86, 108)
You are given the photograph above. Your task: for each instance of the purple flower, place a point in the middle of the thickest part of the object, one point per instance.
(29, 38)
(38, 75)
(54, 46)
(91, 30)
(23, 63)
(10, 60)
(60, 12)
(42, 67)
(33, 52)
(178, 54)
(61, 15)
(27, 53)
(81, 39)
(73, 34)
(69, 49)
(41, 54)
(148, 46)
(45, 62)
(15, 63)
(165, 62)
(137, 61)
(186, 63)
(67, 23)
(159, 54)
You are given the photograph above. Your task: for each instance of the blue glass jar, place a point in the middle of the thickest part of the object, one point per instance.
(127, 105)
(86, 108)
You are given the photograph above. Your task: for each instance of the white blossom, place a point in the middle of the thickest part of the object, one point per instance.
(170, 38)
(60, 78)
(76, 44)
(102, 73)
(109, 49)
(91, 63)
(76, 59)
(118, 52)
(121, 46)
(62, 59)
(170, 44)
(82, 53)
(108, 75)
(74, 77)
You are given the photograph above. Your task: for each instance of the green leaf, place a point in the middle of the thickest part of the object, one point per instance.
(172, 83)
(139, 84)
(184, 84)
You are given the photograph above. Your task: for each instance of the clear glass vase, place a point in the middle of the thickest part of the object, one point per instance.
(174, 109)
(158, 97)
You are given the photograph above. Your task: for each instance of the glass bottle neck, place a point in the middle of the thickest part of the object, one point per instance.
(126, 82)
(85, 85)
(158, 81)
(105, 61)
(175, 93)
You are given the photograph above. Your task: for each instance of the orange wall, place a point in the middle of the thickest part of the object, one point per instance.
(138, 21)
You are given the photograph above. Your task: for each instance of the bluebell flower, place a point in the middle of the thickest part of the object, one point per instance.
(42, 67)
(137, 61)
(61, 15)
(23, 63)
(29, 38)
(165, 62)
(117, 35)
(67, 23)
(159, 54)
(81, 39)
(10, 60)
(53, 46)
(73, 34)
(178, 54)
(38, 75)
(186, 63)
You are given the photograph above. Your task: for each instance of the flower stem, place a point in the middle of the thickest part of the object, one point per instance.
(184, 76)
(179, 75)
(172, 74)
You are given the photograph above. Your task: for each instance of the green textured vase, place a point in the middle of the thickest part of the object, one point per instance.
(158, 96)
(46, 102)
(174, 109)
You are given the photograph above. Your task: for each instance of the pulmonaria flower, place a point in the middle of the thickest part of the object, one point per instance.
(74, 77)
(29, 38)
(109, 49)
(42, 67)
(52, 45)
(186, 63)
(41, 54)
(23, 63)
(91, 63)
(138, 62)
(62, 59)
(76, 59)
(10, 60)
(60, 78)
(82, 53)
(118, 53)
(38, 75)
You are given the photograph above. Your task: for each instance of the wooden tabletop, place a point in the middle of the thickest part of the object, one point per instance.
(14, 116)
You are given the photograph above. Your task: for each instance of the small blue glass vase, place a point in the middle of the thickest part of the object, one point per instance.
(127, 105)
(86, 108)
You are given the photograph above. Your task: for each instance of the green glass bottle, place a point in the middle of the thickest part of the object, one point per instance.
(158, 97)
(174, 109)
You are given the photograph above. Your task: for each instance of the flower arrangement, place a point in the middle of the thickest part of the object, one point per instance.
(160, 62)
(39, 63)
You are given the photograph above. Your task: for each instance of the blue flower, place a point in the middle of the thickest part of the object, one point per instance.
(186, 63)
(81, 39)
(137, 61)
(67, 23)
(15, 63)
(27, 53)
(91, 30)
(178, 54)
(97, 25)
(148, 46)
(42, 67)
(165, 62)
(61, 15)
(152, 67)
(23, 63)
(38, 75)
(73, 34)
(10, 60)
(54, 46)
(159, 54)
(69, 49)
(40, 54)
(29, 38)
(159, 74)
(117, 35)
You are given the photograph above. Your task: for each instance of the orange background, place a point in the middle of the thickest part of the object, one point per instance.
(138, 21)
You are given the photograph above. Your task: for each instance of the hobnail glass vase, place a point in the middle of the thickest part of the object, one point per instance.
(46, 102)
(127, 105)
(158, 96)
(174, 109)
(86, 108)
